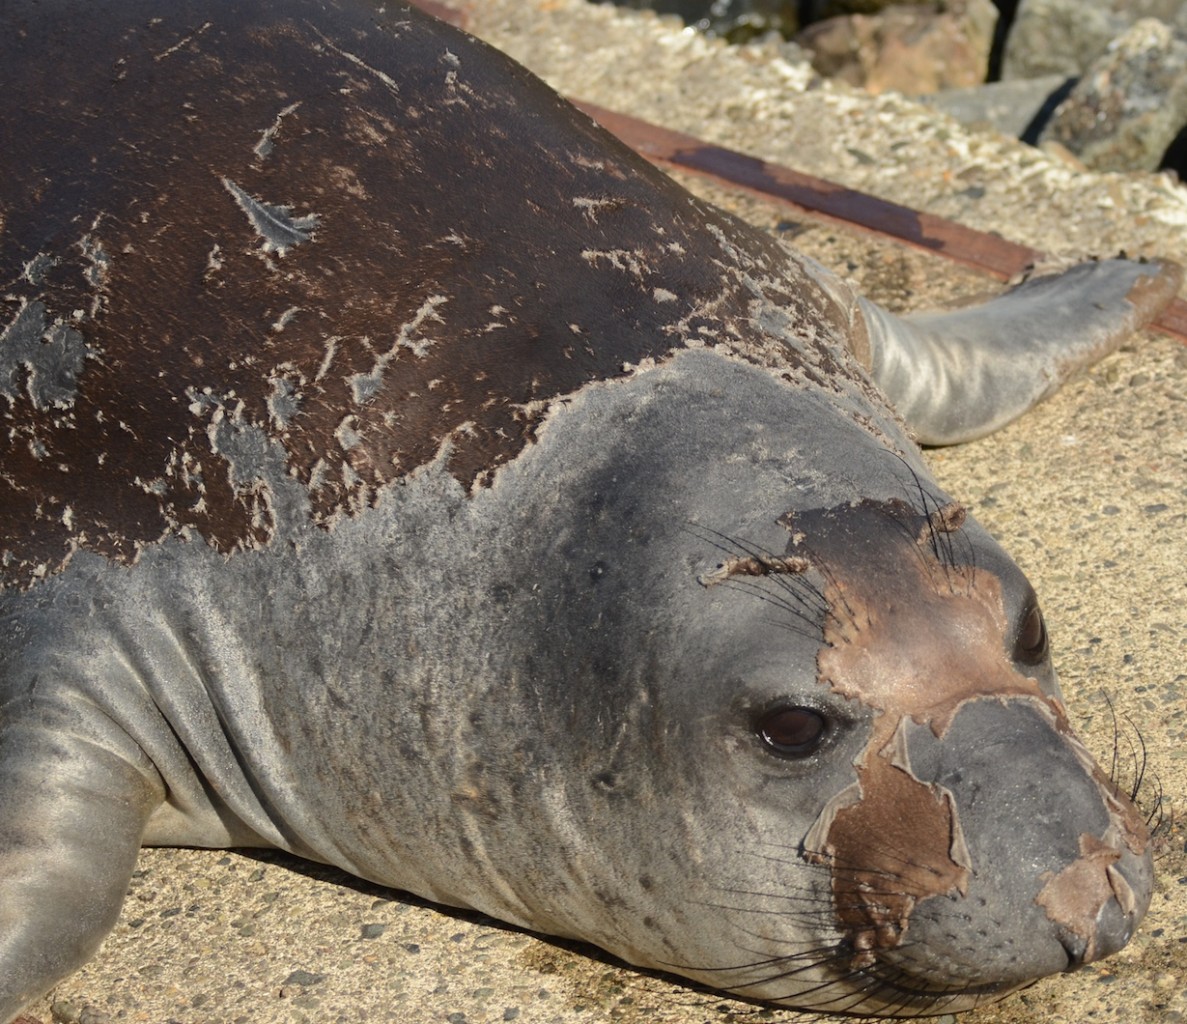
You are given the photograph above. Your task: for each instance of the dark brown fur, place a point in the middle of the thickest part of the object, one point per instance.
(125, 177)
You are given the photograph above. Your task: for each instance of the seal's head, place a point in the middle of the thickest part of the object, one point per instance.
(969, 841)
(814, 757)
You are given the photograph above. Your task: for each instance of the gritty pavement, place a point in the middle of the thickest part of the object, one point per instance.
(1088, 493)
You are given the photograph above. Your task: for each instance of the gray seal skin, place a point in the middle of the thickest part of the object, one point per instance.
(399, 472)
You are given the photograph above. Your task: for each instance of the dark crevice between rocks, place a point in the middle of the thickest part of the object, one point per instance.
(1005, 18)
(1034, 130)
(1175, 157)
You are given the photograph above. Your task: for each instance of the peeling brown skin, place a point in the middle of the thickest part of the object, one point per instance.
(876, 886)
(254, 223)
(903, 606)
(914, 635)
(755, 565)
(1075, 896)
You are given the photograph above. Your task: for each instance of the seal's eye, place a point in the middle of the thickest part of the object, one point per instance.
(792, 730)
(1031, 644)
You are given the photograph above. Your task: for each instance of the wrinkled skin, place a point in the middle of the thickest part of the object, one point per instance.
(400, 473)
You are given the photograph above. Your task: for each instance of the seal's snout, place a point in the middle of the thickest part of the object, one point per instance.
(1059, 862)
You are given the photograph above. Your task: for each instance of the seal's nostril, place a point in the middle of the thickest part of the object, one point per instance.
(1075, 947)
(1118, 918)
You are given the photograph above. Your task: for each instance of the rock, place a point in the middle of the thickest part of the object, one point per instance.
(739, 21)
(1012, 108)
(1130, 104)
(909, 48)
(1064, 37)
(818, 10)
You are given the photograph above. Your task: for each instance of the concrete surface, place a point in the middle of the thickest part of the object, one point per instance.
(1089, 493)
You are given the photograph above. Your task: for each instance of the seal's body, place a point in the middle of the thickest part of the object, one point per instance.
(398, 472)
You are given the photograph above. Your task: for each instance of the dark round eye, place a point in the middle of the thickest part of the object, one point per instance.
(792, 730)
(1031, 645)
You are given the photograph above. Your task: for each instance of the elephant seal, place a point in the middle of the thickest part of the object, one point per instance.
(399, 472)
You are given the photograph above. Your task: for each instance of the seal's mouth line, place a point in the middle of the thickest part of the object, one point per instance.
(931, 996)
(893, 988)
(897, 998)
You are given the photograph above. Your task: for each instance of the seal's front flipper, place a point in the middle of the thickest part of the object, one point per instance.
(75, 794)
(959, 375)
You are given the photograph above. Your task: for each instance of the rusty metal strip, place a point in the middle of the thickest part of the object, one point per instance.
(818, 197)
(823, 199)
